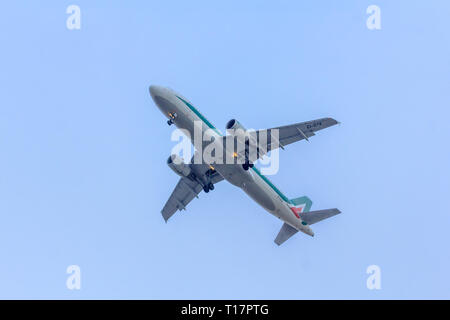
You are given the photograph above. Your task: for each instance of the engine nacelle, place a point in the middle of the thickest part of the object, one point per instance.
(178, 166)
(234, 126)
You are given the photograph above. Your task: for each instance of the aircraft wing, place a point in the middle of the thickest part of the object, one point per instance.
(188, 189)
(289, 134)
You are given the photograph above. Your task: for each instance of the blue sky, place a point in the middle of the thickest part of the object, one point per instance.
(83, 175)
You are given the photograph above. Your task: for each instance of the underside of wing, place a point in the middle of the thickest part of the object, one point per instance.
(184, 192)
(279, 137)
(188, 188)
(303, 130)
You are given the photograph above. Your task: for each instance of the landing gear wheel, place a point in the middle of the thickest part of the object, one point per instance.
(211, 186)
(206, 188)
(251, 165)
(172, 117)
(245, 166)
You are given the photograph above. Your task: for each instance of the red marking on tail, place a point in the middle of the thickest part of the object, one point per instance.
(297, 211)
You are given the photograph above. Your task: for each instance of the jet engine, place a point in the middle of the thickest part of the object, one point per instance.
(247, 139)
(178, 166)
(233, 126)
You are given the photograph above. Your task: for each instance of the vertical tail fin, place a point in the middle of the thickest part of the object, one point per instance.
(301, 208)
(300, 205)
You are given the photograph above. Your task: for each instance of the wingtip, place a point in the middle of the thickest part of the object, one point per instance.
(336, 121)
(165, 219)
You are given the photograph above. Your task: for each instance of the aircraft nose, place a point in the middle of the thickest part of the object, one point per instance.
(155, 91)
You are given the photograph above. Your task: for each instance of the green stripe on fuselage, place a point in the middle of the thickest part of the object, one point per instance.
(282, 196)
(190, 106)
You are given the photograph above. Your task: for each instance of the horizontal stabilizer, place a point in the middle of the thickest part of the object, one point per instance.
(312, 217)
(285, 233)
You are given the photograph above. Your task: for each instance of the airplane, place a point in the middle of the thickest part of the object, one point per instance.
(198, 176)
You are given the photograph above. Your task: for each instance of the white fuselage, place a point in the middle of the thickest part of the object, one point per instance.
(257, 186)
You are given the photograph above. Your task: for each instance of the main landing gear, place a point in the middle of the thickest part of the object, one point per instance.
(247, 165)
(172, 118)
(208, 187)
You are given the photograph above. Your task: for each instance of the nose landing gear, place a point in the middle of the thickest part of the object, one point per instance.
(172, 118)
